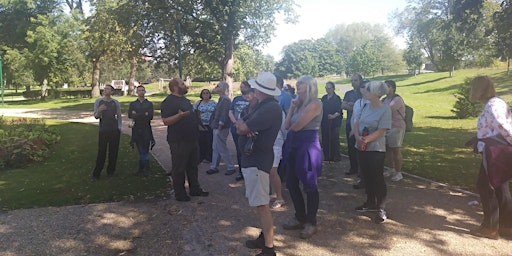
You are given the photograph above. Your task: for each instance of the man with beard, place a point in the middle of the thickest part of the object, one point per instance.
(182, 133)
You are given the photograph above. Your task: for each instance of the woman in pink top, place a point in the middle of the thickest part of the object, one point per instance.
(395, 135)
(495, 122)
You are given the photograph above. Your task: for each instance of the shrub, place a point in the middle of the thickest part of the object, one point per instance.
(23, 141)
(463, 108)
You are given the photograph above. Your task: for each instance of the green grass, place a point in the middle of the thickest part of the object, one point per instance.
(435, 148)
(64, 178)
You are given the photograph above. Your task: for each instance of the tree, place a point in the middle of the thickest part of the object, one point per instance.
(299, 58)
(449, 32)
(365, 59)
(104, 38)
(413, 56)
(215, 28)
(249, 62)
(503, 37)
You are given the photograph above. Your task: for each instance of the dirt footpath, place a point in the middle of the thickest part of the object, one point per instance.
(424, 219)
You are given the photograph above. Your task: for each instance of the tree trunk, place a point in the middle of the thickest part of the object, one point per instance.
(133, 71)
(95, 92)
(508, 66)
(227, 68)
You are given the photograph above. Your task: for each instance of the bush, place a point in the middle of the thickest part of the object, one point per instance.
(23, 141)
(463, 108)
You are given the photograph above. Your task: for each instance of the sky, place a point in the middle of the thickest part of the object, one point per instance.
(316, 17)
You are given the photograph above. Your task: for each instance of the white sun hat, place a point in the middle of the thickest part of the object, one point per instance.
(265, 83)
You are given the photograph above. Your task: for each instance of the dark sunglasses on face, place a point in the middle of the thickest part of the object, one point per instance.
(245, 92)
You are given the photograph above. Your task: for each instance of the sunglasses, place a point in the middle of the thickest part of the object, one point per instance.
(245, 92)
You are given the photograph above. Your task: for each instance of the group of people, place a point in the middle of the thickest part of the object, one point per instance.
(271, 130)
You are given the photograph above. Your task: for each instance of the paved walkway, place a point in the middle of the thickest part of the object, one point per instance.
(424, 219)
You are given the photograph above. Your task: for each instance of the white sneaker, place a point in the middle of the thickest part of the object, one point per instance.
(398, 176)
(389, 171)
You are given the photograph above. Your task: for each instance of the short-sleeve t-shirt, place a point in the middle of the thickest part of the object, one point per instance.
(238, 104)
(265, 119)
(375, 119)
(351, 96)
(186, 129)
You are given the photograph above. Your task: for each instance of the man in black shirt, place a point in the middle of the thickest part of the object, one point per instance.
(260, 126)
(141, 111)
(182, 134)
(108, 111)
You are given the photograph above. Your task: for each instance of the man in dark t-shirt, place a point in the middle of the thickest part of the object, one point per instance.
(108, 111)
(182, 134)
(260, 127)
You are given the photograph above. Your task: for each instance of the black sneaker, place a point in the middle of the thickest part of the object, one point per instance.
(267, 252)
(258, 243)
(366, 208)
(199, 193)
(239, 177)
(381, 216)
(350, 172)
(230, 172)
(358, 185)
(183, 198)
(212, 171)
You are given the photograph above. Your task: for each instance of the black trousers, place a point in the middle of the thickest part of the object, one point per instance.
(496, 203)
(352, 151)
(185, 158)
(205, 144)
(331, 142)
(238, 151)
(110, 140)
(372, 168)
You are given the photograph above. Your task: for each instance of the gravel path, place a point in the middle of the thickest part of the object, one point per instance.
(424, 219)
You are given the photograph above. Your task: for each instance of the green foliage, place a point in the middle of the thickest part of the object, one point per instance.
(63, 178)
(463, 108)
(23, 141)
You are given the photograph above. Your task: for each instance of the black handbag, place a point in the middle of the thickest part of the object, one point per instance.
(249, 145)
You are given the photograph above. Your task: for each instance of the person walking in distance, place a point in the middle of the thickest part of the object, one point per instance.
(108, 111)
(182, 133)
(258, 132)
(141, 111)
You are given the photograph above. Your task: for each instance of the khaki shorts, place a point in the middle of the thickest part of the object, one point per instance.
(257, 186)
(395, 137)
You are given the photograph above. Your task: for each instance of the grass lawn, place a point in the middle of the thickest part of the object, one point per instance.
(64, 178)
(435, 148)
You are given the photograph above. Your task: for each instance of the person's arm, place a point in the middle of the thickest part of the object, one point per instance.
(224, 109)
(312, 110)
(151, 111)
(337, 107)
(232, 116)
(291, 111)
(175, 118)
(119, 115)
(501, 113)
(98, 109)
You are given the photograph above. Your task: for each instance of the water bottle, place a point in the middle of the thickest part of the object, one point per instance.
(365, 133)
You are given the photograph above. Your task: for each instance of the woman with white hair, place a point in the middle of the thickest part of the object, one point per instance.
(303, 156)
(370, 130)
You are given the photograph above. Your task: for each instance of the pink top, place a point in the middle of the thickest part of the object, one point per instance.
(495, 119)
(397, 106)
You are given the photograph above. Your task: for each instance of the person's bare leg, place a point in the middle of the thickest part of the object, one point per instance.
(275, 183)
(267, 224)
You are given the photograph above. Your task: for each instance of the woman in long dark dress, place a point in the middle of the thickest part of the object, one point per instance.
(331, 122)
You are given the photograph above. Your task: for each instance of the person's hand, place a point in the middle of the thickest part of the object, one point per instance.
(102, 107)
(331, 116)
(183, 114)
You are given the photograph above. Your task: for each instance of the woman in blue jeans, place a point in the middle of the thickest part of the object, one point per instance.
(303, 156)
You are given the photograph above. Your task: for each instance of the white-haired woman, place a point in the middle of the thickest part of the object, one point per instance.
(370, 130)
(302, 155)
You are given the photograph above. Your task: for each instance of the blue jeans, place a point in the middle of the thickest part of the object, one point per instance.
(220, 149)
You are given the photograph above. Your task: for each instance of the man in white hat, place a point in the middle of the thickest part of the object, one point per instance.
(260, 127)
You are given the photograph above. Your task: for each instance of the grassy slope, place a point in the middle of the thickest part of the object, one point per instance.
(435, 148)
